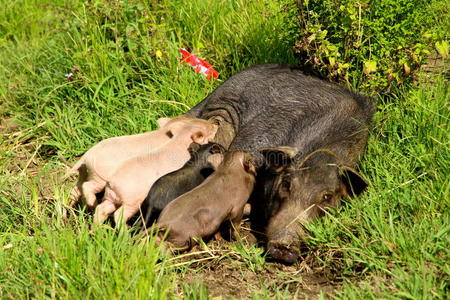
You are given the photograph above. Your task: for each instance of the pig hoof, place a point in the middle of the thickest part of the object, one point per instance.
(283, 254)
(179, 248)
(247, 210)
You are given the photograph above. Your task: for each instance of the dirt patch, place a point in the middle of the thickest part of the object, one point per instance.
(224, 278)
(433, 66)
(226, 273)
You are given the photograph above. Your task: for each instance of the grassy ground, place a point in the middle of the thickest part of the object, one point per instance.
(392, 242)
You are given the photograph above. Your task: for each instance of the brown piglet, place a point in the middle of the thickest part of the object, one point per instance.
(130, 184)
(221, 197)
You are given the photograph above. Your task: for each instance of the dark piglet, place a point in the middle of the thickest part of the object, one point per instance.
(176, 183)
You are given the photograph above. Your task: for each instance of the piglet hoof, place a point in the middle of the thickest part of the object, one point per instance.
(247, 210)
(218, 237)
(235, 235)
(179, 247)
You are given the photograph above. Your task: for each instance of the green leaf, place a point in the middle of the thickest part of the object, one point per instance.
(442, 48)
(332, 61)
(406, 68)
(370, 66)
(200, 45)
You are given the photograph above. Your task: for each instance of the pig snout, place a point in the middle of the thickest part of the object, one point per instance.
(176, 241)
(284, 247)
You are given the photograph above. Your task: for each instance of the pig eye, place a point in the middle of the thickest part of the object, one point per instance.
(285, 185)
(169, 134)
(327, 197)
(215, 149)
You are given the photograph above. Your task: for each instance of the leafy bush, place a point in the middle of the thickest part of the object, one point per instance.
(372, 45)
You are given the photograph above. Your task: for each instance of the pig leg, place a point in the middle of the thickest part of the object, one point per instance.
(226, 232)
(234, 230)
(218, 237)
(75, 195)
(89, 189)
(247, 209)
(124, 213)
(235, 223)
(222, 228)
(103, 210)
(76, 192)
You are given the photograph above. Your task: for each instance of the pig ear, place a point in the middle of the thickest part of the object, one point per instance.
(193, 147)
(278, 158)
(354, 183)
(215, 160)
(199, 138)
(162, 122)
(249, 166)
(214, 130)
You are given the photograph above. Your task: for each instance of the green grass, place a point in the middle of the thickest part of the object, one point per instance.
(392, 242)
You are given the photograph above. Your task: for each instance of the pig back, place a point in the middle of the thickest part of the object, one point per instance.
(236, 100)
(305, 112)
(272, 105)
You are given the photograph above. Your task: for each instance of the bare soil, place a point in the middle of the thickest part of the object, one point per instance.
(225, 279)
(228, 276)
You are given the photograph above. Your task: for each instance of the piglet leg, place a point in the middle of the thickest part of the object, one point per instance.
(103, 210)
(75, 195)
(218, 236)
(76, 192)
(89, 189)
(124, 213)
(247, 209)
(235, 223)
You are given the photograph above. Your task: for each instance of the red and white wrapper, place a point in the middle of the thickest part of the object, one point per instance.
(198, 65)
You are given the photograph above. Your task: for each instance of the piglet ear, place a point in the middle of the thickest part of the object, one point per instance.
(215, 160)
(354, 183)
(278, 158)
(162, 122)
(193, 147)
(199, 138)
(249, 166)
